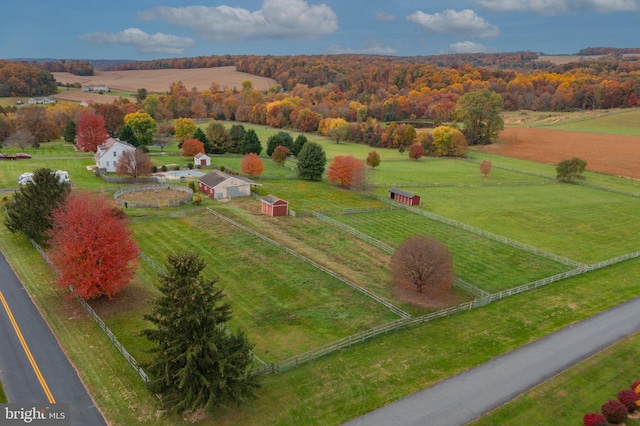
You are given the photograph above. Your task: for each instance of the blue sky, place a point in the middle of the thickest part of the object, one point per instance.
(146, 29)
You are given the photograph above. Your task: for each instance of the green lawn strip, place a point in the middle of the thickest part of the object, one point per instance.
(355, 260)
(355, 381)
(567, 397)
(307, 196)
(432, 171)
(487, 264)
(580, 223)
(614, 122)
(117, 389)
(3, 397)
(285, 305)
(77, 168)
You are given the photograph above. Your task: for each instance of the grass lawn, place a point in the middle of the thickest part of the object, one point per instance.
(584, 224)
(285, 305)
(567, 397)
(3, 397)
(77, 168)
(487, 264)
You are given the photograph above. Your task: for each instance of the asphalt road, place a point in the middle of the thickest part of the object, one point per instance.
(47, 375)
(467, 396)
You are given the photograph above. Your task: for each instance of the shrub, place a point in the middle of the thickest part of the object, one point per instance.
(635, 386)
(593, 419)
(176, 167)
(614, 411)
(190, 166)
(164, 168)
(628, 398)
(154, 169)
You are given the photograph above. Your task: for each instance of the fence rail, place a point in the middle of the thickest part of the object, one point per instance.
(170, 203)
(353, 285)
(364, 237)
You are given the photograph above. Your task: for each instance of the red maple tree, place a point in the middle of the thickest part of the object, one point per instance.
(92, 247)
(251, 164)
(280, 154)
(91, 131)
(416, 151)
(191, 147)
(343, 169)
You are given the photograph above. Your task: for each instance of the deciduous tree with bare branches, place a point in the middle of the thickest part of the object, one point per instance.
(423, 263)
(134, 164)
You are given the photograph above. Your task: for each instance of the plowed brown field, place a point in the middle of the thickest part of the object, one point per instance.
(159, 81)
(611, 154)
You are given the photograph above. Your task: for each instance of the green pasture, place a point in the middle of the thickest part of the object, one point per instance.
(285, 305)
(3, 397)
(307, 196)
(581, 223)
(567, 397)
(487, 264)
(77, 167)
(622, 121)
(330, 247)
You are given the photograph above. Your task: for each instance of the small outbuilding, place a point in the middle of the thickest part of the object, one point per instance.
(202, 159)
(274, 206)
(219, 185)
(404, 197)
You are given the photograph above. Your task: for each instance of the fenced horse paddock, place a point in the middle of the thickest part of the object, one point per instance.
(154, 196)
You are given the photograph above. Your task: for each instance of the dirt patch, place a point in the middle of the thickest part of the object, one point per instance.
(428, 301)
(153, 196)
(159, 81)
(612, 154)
(130, 299)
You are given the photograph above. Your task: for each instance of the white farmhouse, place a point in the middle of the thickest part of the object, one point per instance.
(110, 152)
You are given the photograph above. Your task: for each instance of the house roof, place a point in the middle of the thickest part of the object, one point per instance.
(272, 199)
(216, 177)
(108, 144)
(405, 193)
(201, 155)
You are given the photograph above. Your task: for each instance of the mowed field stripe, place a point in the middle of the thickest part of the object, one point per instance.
(36, 370)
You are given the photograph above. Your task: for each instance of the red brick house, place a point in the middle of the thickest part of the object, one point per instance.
(274, 206)
(404, 197)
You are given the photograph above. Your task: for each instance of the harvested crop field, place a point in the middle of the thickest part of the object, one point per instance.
(159, 81)
(611, 154)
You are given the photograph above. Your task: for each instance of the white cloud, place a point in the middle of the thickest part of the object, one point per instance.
(293, 19)
(559, 7)
(371, 48)
(385, 17)
(464, 23)
(469, 47)
(142, 41)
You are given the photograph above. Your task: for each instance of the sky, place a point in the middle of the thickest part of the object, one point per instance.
(152, 29)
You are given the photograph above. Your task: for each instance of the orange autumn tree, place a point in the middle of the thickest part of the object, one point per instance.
(191, 147)
(343, 169)
(92, 247)
(251, 165)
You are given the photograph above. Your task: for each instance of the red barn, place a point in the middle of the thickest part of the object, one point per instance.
(274, 206)
(404, 197)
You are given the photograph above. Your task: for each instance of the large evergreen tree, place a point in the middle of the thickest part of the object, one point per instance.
(311, 161)
(279, 139)
(250, 143)
(298, 144)
(236, 132)
(69, 133)
(32, 206)
(197, 362)
(202, 137)
(126, 134)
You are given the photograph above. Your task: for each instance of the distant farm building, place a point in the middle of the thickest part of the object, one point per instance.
(96, 88)
(41, 101)
(404, 197)
(274, 206)
(87, 103)
(202, 159)
(219, 185)
(110, 152)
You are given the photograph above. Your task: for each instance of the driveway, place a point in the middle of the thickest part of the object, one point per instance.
(467, 396)
(33, 367)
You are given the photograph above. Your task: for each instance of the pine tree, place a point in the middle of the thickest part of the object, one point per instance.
(236, 132)
(70, 131)
(127, 135)
(298, 144)
(311, 161)
(30, 211)
(250, 143)
(200, 135)
(197, 363)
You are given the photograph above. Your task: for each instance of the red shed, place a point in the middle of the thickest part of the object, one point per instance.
(404, 197)
(274, 206)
